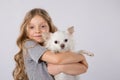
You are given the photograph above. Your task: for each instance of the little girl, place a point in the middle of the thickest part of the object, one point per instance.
(34, 61)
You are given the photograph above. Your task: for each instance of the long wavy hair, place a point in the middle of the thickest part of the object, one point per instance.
(19, 71)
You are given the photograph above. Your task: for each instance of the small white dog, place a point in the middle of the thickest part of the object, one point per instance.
(62, 41)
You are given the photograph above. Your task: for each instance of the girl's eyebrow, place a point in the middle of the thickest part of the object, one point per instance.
(45, 24)
(30, 23)
(42, 23)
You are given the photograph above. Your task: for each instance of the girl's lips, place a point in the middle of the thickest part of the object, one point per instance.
(38, 36)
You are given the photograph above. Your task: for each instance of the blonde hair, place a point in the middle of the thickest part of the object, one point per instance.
(19, 71)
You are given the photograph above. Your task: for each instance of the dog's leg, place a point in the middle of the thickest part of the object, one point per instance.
(86, 52)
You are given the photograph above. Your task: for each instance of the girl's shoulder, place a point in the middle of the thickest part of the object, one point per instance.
(29, 43)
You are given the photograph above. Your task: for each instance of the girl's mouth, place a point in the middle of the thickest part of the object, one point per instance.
(38, 36)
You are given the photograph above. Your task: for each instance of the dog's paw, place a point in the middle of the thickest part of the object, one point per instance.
(86, 52)
(90, 54)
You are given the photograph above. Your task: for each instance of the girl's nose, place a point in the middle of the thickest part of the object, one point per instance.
(37, 30)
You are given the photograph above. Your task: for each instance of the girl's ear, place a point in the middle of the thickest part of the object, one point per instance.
(46, 35)
(70, 30)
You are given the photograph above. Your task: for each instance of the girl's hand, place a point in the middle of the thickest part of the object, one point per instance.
(84, 62)
(71, 69)
(61, 58)
(53, 69)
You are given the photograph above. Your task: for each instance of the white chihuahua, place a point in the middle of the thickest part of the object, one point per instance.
(62, 41)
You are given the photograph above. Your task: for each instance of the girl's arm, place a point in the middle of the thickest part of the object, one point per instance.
(61, 58)
(39, 53)
(72, 69)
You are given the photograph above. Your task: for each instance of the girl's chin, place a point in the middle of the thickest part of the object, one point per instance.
(40, 41)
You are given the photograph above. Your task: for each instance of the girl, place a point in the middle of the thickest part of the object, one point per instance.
(32, 56)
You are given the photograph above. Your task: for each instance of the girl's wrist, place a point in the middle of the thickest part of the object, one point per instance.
(54, 69)
(61, 68)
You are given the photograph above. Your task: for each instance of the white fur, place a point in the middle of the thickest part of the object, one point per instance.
(62, 41)
(60, 37)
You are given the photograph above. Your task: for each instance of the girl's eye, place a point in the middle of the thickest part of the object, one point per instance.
(43, 26)
(31, 27)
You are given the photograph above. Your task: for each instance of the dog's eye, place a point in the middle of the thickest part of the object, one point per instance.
(66, 40)
(56, 42)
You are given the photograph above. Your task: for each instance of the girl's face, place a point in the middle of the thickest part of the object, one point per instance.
(36, 27)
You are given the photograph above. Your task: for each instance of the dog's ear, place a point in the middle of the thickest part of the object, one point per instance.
(70, 30)
(46, 35)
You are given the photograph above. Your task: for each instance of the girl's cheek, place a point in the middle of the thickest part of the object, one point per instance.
(45, 31)
(29, 35)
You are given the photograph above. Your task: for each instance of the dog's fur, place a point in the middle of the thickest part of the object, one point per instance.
(62, 41)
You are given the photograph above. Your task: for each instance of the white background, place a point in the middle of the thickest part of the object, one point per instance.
(97, 29)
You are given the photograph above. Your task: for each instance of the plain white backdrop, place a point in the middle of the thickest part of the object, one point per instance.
(97, 29)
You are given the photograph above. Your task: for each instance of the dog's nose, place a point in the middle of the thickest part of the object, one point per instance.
(62, 46)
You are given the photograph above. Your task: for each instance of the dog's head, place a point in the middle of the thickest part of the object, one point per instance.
(60, 40)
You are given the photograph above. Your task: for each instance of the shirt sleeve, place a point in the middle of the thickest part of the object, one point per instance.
(34, 49)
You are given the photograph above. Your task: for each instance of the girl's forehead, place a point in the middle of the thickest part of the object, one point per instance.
(38, 19)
